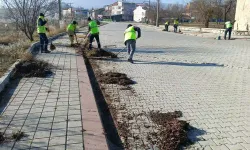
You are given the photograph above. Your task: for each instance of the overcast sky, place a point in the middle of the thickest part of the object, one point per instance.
(101, 3)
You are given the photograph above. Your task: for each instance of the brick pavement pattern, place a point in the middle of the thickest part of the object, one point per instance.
(208, 80)
(47, 110)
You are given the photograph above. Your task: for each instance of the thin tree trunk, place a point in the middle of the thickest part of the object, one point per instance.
(207, 23)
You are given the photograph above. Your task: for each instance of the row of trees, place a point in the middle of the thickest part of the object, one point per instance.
(202, 10)
(25, 12)
(205, 10)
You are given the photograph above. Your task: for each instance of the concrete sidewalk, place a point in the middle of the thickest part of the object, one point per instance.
(52, 112)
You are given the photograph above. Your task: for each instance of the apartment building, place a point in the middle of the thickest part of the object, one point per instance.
(122, 11)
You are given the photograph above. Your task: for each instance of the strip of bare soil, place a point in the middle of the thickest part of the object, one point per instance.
(172, 133)
(99, 53)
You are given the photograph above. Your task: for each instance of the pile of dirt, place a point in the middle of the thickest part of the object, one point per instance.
(172, 133)
(32, 68)
(99, 53)
(17, 135)
(115, 78)
(2, 138)
(95, 52)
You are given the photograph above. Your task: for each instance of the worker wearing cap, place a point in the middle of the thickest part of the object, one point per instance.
(166, 25)
(94, 33)
(176, 24)
(229, 27)
(71, 29)
(130, 40)
(41, 30)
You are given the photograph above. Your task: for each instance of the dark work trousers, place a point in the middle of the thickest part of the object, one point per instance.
(43, 42)
(92, 37)
(166, 27)
(175, 28)
(131, 46)
(230, 31)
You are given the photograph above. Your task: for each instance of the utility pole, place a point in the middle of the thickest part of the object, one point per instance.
(60, 9)
(157, 16)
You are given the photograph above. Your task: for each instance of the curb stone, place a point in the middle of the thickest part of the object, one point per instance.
(4, 80)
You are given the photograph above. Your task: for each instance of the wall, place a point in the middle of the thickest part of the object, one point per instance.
(124, 9)
(242, 16)
(139, 14)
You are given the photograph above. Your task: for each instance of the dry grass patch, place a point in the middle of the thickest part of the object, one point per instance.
(55, 31)
(9, 38)
(11, 53)
(81, 36)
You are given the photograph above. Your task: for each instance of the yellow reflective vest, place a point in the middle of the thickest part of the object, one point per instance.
(71, 27)
(167, 23)
(93, 27)
(40, 29)
(228, 24)
(176, 22)
(130, 34)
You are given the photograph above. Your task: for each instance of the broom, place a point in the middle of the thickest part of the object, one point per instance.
(52, 46)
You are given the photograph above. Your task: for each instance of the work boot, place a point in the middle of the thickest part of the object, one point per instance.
(42, 49)
(90, 46)
(47, 51)
(130, 60)
(99, 46)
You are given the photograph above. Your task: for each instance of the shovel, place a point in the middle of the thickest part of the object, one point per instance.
(120, 51)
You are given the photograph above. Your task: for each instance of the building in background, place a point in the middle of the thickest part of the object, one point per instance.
(107, 12)
(67, 12)
(81, 12)
(122, 11)
(97, 13)
(242, 15)
(140, 14)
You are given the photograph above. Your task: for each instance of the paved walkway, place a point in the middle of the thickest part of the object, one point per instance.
(208, 80)
(53, 112)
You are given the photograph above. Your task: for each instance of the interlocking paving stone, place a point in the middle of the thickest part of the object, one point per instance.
(39, 106)
(208, 80)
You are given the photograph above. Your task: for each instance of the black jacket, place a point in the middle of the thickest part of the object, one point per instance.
(41, 22)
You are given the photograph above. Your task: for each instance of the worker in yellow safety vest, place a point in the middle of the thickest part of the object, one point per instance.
(176, 24)
(130, 40)
(229, 27)
(94, 33)
(71, 29)
(166, 25)
(41, 30)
